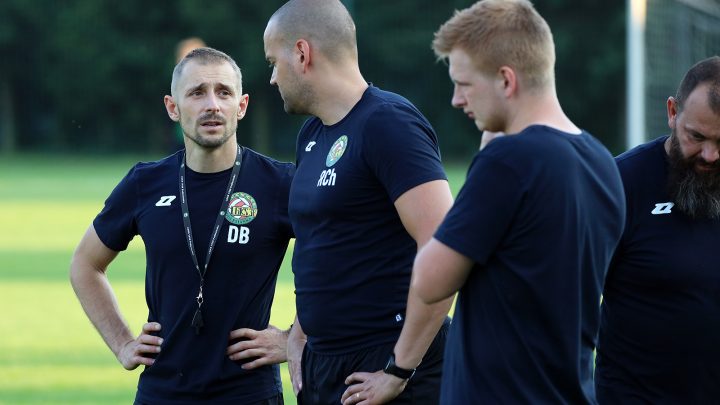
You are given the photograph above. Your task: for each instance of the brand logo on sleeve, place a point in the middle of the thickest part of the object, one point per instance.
(165, 201)
(242, 209)
(336, 151)
(663, 208)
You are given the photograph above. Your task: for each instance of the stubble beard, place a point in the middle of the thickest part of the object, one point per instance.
(209, 142)
(297, 98)
(697, 194)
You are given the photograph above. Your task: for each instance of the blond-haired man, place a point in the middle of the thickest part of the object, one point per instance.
(529, 238)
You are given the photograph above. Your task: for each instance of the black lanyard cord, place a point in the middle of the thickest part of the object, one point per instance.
(197, 321)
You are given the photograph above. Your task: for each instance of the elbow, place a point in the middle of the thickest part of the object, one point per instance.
(74, 274)
(425, 291)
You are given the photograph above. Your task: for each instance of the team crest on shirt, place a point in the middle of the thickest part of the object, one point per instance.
(336, 151)
(242, 209)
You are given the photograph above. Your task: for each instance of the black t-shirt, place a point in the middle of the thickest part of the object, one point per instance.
(353, 257)
(660, 321)
(240, 280)
(540, 215)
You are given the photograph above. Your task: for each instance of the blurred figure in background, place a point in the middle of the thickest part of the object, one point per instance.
(186, 46)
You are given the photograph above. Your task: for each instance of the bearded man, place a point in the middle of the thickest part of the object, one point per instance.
(660, 321)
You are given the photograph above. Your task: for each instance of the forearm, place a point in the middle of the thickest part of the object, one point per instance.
(438, 273)
(295, 333)
(422, 323)
(100, 304)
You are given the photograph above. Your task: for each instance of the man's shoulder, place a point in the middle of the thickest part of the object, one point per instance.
(258, 159)
(642, 152)
(172, 161)
(153, 171)
(642, 158)
(378, 99)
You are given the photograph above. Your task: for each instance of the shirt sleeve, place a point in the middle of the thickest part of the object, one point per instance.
(284, 198)
(116, 225)
(484, 209)
(401, 149)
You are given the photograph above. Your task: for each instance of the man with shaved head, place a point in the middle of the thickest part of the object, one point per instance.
(368, 192)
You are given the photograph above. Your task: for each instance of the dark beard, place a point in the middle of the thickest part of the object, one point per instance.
(697, 194)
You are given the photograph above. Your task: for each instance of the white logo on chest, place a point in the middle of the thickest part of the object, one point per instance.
(165, 201)
(309, 146)
(663, 208)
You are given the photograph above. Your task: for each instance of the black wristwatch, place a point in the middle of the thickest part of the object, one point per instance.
(392, 369)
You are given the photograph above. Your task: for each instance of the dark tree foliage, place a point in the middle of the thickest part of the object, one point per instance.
(89, 76)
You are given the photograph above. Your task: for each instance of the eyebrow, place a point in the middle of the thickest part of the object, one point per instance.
(226, 87)
(201, 86)
(195, 88)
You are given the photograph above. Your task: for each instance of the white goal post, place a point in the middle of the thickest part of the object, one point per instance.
(664, 39)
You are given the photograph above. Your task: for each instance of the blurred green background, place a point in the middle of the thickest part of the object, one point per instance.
(81, 87)
(89, 76)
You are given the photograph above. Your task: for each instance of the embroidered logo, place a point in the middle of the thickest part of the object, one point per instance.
(165, 201)
(242, 209)
(336, 151)
(309, 146)
(662, 208)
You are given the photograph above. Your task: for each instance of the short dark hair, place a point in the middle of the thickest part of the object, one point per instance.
(204, 56)
(705, 71)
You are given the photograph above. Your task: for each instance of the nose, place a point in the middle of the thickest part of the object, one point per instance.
(710, 152)
(273, 77)
(457, 101)
(212, 103)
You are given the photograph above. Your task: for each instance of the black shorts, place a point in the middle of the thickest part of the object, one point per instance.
(323, 376)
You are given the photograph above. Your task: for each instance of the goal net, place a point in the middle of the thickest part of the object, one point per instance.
(678, 33)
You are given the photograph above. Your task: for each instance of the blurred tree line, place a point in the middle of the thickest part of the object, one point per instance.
(89, 76)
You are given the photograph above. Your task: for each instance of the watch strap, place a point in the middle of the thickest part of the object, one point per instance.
(392, 369)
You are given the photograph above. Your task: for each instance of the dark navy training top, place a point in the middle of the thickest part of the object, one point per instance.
(240, 281)
(353, 257)
(660, 322)
(540, 214)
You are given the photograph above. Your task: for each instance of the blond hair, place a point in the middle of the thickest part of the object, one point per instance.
(499, 33)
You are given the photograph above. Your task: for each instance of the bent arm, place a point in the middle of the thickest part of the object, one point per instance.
(88, 278)
(438, 274)
(295, 345)
(422, 209)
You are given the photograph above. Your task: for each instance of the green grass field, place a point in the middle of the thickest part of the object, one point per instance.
(49, 351)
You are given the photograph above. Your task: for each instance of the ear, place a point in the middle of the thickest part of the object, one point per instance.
(244, 100)
(507, 79)
(302, 52)
(172, 108)
(672, 112)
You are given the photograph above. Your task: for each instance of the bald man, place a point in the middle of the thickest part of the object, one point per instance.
(368, 192)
